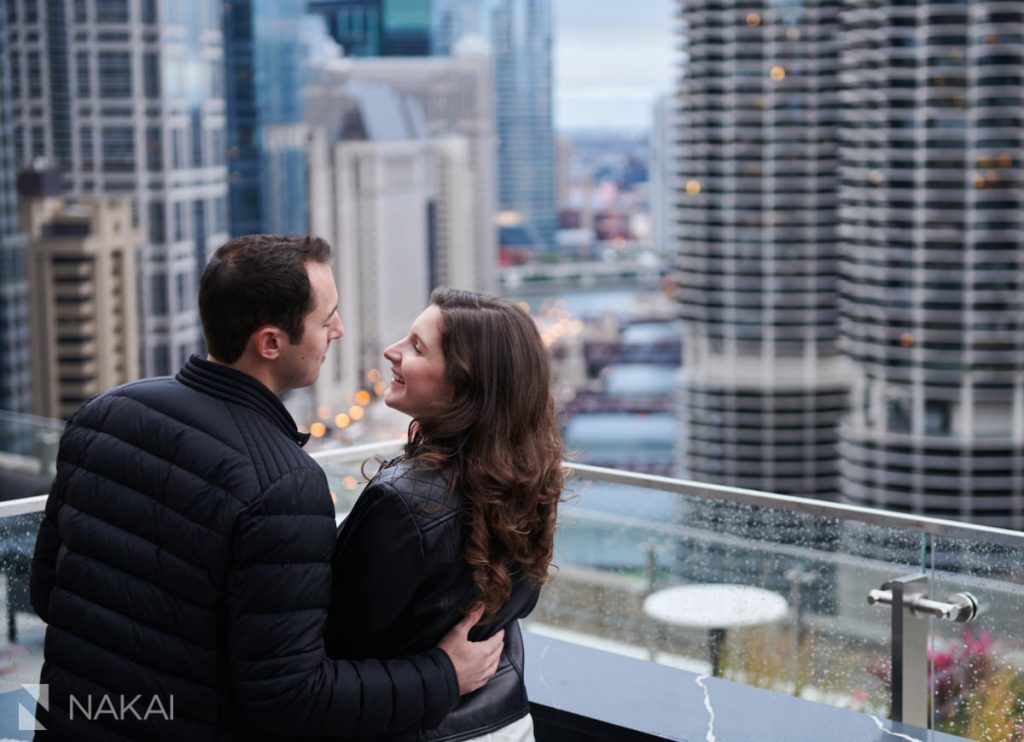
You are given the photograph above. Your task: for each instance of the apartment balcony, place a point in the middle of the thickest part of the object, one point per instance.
(853, 647)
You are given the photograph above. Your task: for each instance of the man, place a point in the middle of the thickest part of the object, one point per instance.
(183, 564)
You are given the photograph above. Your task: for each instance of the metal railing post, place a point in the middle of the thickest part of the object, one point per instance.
(912, 611)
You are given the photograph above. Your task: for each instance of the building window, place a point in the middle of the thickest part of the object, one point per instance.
(112, 11)
(149, 11)
(35, 75)
(154, 149)
(81, 11)
(15, 74)
(197, 139)
(218, 152)
(115, 74)
(82, 73)
(38, 141)
(157, 223)
(181, 284)
(177, 145)
(158, 293)
(937, 418)
(899, 416)
(220, 215)
(161, 360)
(179, 221)
(86, 149)
(151, 74)
(118, 149)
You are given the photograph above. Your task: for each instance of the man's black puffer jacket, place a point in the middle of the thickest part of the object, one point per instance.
(186, 553)
(401, 581)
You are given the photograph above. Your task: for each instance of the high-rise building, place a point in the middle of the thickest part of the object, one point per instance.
(455, 97)
(396, 206)
(932, 224)
(455, 19)
(521, 42)
(15, 365)
(378, 28)
(127, 98)
(81, 276)
(764, 384)
(519, 33)
(266, 137)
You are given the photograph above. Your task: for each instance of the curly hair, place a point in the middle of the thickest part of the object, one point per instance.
(498, 442)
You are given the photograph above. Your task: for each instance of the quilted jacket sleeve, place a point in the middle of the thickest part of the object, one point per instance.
(44, 558)
(277, 597)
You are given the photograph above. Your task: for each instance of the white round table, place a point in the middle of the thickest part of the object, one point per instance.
(715, 608)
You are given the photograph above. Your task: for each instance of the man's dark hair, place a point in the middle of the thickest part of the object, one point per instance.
(257, 280)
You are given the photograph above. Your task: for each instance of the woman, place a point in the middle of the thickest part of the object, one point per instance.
(467, 514)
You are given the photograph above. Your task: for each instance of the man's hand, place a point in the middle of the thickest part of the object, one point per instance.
(475, 662)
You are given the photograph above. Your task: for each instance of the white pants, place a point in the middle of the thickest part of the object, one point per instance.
(518, 731)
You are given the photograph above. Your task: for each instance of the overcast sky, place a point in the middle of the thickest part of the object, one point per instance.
(612, 58)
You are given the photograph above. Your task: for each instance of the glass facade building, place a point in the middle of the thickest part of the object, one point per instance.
(932, 224)
(521, 42)
(265, 132)
(15, 351)
(127, 99)
(378, 28)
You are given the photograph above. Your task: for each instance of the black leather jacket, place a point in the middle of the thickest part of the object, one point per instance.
(401, 582)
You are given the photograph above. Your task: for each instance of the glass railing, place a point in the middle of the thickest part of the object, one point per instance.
(797, 619)
(801, 573)
(28, 443)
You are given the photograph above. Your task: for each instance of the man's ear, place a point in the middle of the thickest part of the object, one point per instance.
(267, 341)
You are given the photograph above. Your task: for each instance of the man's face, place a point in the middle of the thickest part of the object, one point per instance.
(300, 363)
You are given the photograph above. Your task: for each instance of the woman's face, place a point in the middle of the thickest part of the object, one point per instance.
(419, 386)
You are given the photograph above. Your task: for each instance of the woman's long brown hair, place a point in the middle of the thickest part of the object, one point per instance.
(497, 443)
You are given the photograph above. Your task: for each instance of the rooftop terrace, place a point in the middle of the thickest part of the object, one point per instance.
(603, 664)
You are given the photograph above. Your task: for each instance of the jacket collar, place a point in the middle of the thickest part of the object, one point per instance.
(224, 382)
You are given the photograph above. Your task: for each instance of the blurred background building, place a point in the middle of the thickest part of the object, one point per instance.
(127, 99)
(932, 291)
(81, 275)
(764, 384)
(455, 96)
(265, 71)
(15, 359)
(378, 28)
(521, 40)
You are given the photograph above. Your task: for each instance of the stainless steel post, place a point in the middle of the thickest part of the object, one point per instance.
(912, 611)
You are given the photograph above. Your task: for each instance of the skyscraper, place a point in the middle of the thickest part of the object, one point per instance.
(127, 98)
(374, 201)
(764, 385)
(456, 97)
(933, 270)
(15, 367)
(266, 136)
(378, 28)
(521, 43)
(81, 269)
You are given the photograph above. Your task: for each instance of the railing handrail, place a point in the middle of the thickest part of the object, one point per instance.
(838, 510)
(702, 490)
